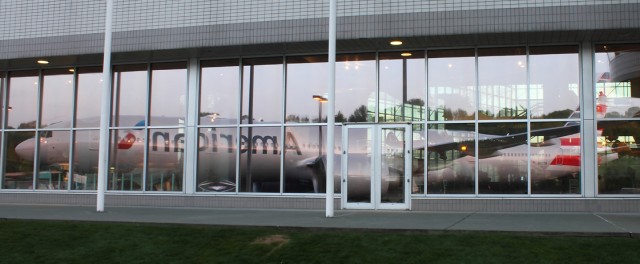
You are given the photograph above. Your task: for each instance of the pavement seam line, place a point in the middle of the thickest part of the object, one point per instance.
(457, 222)
(613, 224)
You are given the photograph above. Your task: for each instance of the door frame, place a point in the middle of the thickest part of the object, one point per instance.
(376, 168)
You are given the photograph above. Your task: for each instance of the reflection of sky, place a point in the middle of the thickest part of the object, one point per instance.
(168, 94)
(219, 91)
(355, 85)
(89, 97)
(391, 79)
(57, 99)
(557, 74)
(267, 93)
(304, 80)
(456, 73)
(22, 100)
(132, 93)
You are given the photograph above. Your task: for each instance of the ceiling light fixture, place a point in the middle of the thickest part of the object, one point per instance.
(406, 54)
(43, 62)
(396, 42)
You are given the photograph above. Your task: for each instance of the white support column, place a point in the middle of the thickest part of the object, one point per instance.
(103, 156)
(589, 166)
(191, 129)
(331, 108)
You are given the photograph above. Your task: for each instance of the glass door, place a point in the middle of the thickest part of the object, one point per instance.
(377, 162)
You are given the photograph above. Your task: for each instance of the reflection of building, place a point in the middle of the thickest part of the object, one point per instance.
(211, 105)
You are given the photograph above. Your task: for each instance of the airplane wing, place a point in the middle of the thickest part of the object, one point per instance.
(490, 145)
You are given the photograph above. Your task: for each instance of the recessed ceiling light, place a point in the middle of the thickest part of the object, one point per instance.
(43, 62)
(406, 54)
(395, 42)
(72, 70)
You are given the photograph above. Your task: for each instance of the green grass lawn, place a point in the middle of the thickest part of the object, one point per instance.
(81, 242)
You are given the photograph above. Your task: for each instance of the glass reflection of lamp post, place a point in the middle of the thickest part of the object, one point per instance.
(321, 99)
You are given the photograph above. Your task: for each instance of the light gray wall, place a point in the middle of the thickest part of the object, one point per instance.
(35, 28)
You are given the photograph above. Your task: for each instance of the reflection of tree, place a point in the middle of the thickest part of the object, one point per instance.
(559, 114)
(416, 101)
(459, 114)
(613, 115)
(293, 118)
(31, 124)
(359, 115)
(14, 162)
(340, 117)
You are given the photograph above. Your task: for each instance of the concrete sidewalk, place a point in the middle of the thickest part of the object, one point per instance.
(605, 224)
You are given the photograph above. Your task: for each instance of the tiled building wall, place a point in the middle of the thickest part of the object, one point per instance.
(266, 202)
(68, 27)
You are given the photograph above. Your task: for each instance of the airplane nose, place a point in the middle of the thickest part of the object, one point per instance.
(25, 149)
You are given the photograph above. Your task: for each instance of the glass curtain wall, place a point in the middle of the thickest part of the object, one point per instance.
(554, 92)
(218, 119)
(523, 103)
(451, 103)
(148, 123)
(402, 86)
(502, 95)
(88, 100)
(355, 87)
(617, 91)
(20, 141)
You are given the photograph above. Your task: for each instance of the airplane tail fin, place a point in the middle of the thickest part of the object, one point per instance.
(392, 140)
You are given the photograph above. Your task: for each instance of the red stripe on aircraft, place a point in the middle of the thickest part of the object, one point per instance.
(570, 142)
(127, 141)
(566, 160)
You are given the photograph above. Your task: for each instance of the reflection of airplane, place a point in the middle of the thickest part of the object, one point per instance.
(554, 153)
(259, 156)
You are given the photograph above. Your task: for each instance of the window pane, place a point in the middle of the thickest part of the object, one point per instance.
(217, 160)
(502, 76)
(402, 86)
(130, 94)
(502, 158)
(417, 161)
(555, 158)
(23, 100)
(304, 159)
(452, 85)
(554, 88)
(57, 98)
(126, 160)
(168, 94)
(53, 160)
(219, 88)
(165, 160)
(355, 88)
(450, 159)
(618, 81)
(89, 97)
(20, 149)
(259, 159)
(618, 157)
(307, 89)
(2, 78)
(262, 91)
(85, 160)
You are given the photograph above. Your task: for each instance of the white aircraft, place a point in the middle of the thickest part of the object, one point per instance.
(555, 155)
